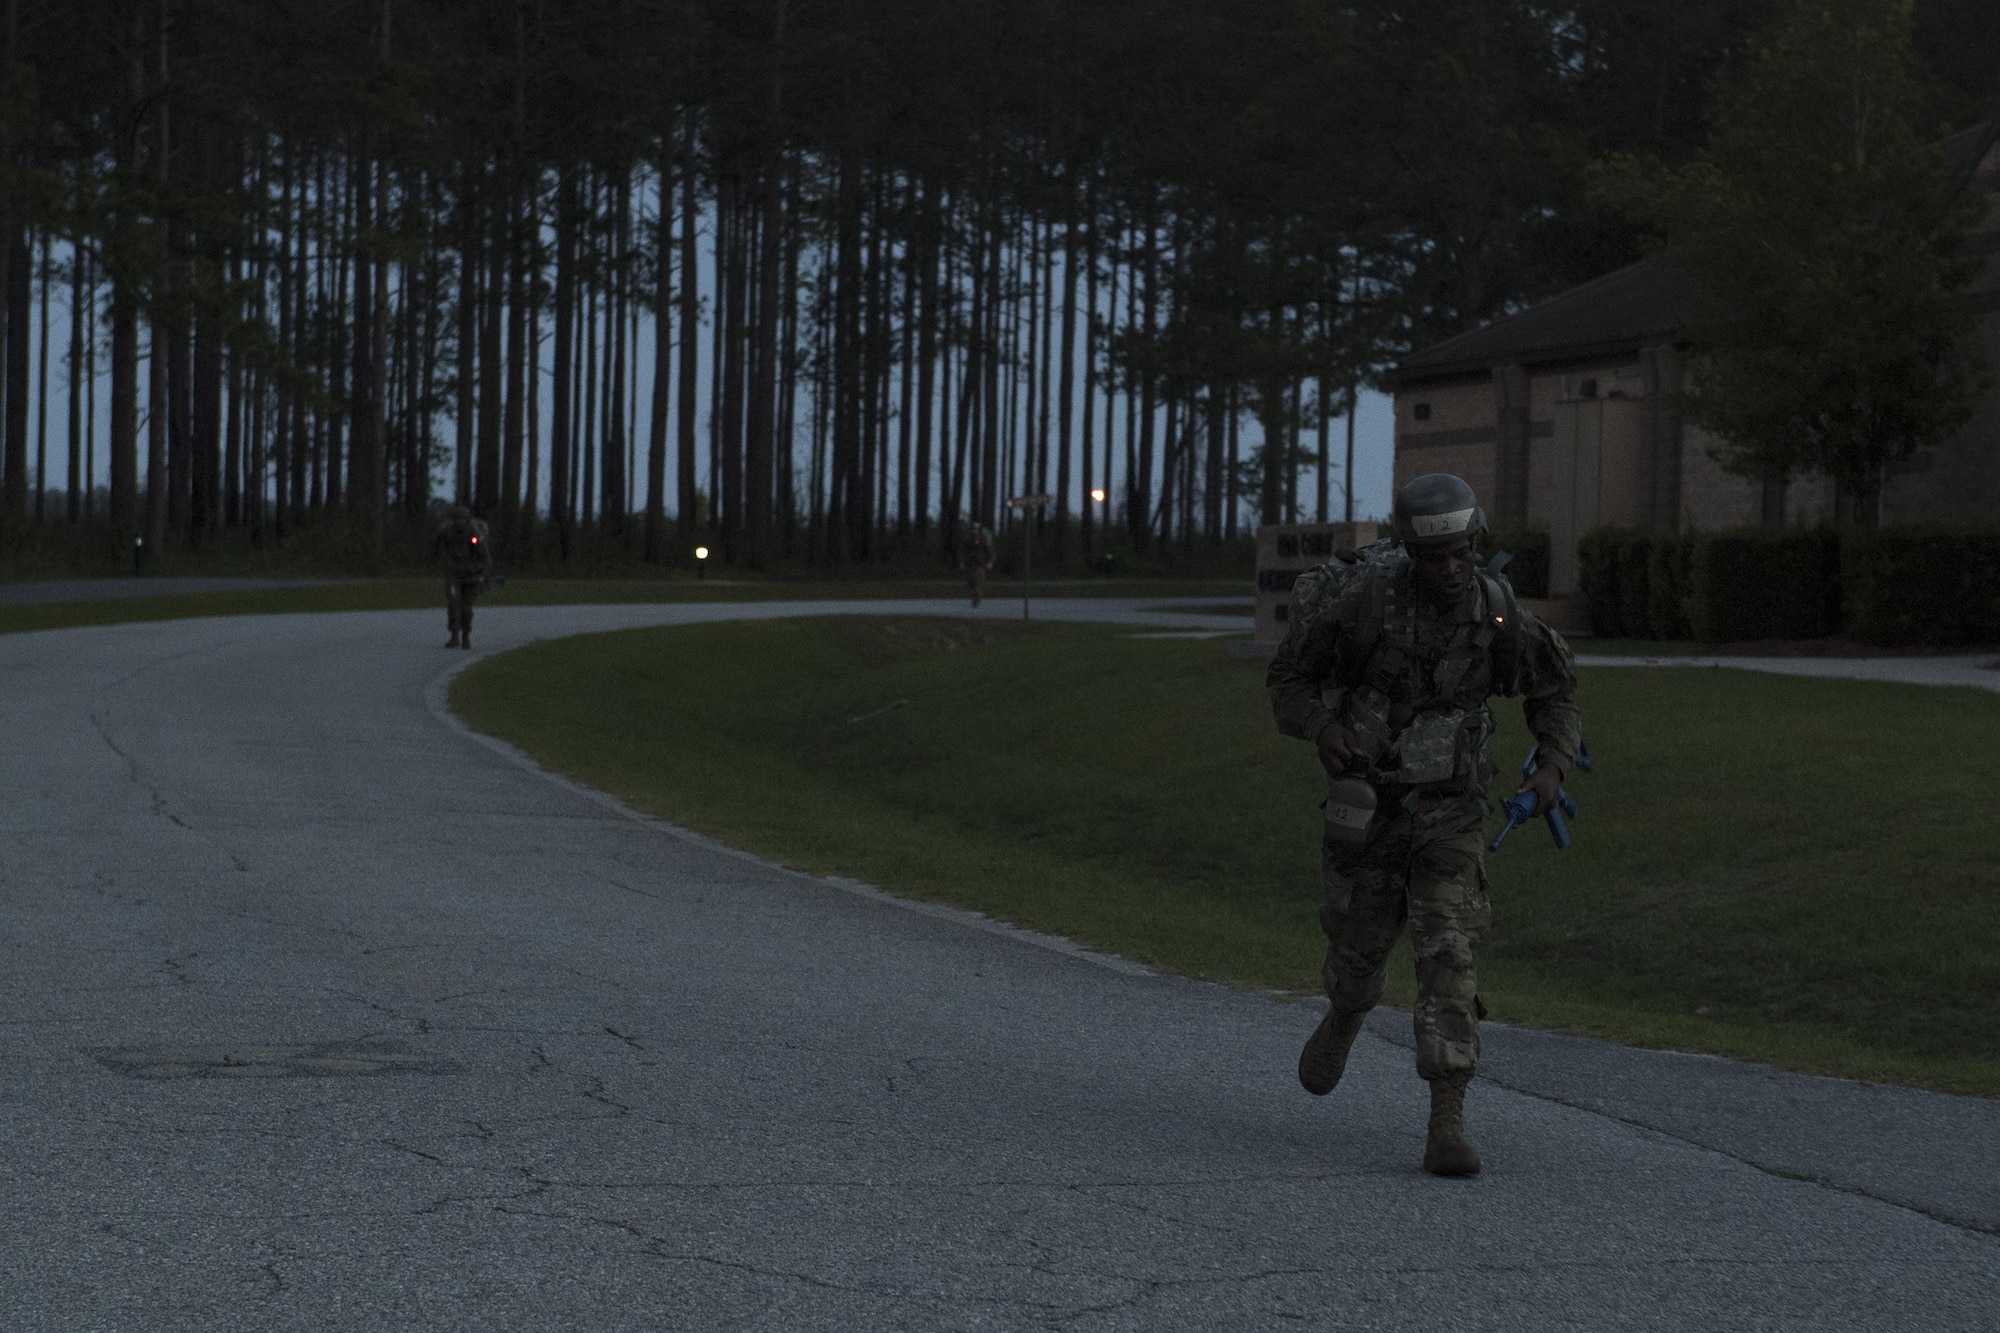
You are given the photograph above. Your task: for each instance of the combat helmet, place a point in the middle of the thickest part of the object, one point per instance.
(1436, 507)
(461, 515)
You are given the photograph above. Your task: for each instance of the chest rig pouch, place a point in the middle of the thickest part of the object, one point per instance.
(1425, 734)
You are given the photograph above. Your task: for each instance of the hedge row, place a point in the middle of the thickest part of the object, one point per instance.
(1899, 586)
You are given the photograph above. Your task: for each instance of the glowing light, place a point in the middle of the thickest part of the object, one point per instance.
(701, 553)
(475, 541)
(1098, 495)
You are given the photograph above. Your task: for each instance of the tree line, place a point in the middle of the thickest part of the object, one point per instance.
(815, 280)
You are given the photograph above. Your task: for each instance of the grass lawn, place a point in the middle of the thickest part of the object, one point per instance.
(1800, 871)
(406, 593)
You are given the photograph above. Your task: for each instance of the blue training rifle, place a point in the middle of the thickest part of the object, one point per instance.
(1520, 807)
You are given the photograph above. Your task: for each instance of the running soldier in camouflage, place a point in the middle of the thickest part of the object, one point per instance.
(1390, 657)
(975, 557)
(464, 548)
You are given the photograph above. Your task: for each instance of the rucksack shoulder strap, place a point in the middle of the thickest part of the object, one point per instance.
(1502, 606)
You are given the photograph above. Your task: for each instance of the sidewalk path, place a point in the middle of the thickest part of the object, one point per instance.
(1964, 669)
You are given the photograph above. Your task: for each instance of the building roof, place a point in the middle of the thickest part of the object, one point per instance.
(1621, 311)
(1964, 151)
(1618, 312)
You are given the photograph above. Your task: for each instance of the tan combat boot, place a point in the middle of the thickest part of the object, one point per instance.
(1324, 1058)
(1446, 1152)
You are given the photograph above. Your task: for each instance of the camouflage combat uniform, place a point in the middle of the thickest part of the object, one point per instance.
(468, 561)
(1413, 685)
(977, 559)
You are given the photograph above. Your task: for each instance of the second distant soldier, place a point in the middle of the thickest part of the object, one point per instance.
(976, 558)
(467, 553)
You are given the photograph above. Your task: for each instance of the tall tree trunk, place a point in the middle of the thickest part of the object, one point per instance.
(364, 443)
(848, 507)
(124, 408)
(763, 442)
(735, 292)
(656, 426)
(465, 424)
(927, 349)
(492, 368)
(514, 414)
(13, 327)
(531, 503)
(1066, 384)
(234, 462)
(1322, 494)
(587, 438)
(1045, 371)
(947, 357)
(612, 466)
(517, 229)
(374, 503)
(788, 383)
(88, 481)
(298, 445)
(42, 394)
(1148, 384)
(157, 358)
(563, 415)
(906, 381)
(338, 326)
(690, 316)
(992, 405)
(20, 288)
(72, 500)
(206, 426)
(1087, 444)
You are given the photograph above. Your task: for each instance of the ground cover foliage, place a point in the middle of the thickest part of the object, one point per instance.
(1799, 871)
(1896, 587)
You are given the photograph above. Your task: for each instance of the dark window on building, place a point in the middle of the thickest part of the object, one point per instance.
(1586, 389)
(1422, 411)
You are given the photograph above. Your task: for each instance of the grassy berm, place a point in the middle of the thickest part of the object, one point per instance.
(1799, 871)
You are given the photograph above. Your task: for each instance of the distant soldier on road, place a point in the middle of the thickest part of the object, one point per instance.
(1390, 658)
(975, 557)
(467, 554)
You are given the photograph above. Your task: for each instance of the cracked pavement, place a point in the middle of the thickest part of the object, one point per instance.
(660, 1084)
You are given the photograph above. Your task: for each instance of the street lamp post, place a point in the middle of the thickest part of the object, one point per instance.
(1027, 504)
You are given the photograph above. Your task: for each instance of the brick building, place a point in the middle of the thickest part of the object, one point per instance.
(1562, 416)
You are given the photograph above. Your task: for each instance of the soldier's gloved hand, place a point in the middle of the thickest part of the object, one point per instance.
(1545, 782)
(1337, 748)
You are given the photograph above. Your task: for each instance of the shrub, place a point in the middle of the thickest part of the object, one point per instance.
(1764, 583)
(1602, 575)
(1635, 589)
(1669, 570)
(1922, 586)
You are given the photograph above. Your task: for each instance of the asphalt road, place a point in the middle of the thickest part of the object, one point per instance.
(321, 1014)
